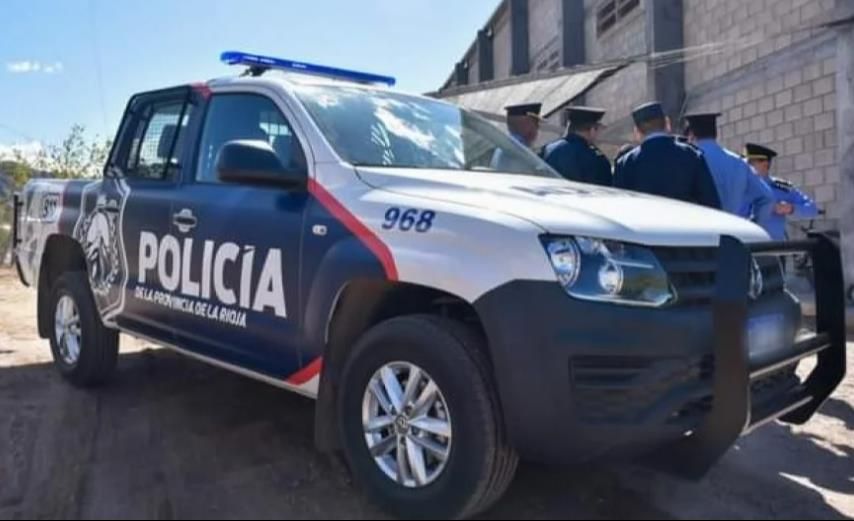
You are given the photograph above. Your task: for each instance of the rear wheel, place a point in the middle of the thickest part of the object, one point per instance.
(84, 351)
(420, 420)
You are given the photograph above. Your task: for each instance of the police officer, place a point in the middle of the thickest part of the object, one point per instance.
(737, 185)
(576, 156)
(788, 201)
(523, 124)
(660, 165)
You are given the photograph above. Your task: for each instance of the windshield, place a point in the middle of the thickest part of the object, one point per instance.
(386, 129)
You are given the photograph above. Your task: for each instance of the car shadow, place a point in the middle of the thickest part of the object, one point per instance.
(173, 438)
(840, 410)
(776, 472)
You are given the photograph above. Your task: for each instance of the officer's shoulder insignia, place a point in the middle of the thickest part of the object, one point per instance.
(688, 145)
(624, 151)
(782, 184)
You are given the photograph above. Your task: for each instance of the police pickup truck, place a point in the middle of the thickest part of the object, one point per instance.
(314, 229)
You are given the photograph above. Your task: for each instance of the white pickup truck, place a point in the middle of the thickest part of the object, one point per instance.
(342, 240)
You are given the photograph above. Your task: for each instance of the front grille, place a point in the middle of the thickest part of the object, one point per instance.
(693, 272)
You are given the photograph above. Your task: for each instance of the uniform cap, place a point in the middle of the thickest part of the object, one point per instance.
(579, 116)
(648, 112)
(704, 123)
(754, 151)
(526, 109)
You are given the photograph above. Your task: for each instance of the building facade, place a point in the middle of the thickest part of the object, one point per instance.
(771, 67)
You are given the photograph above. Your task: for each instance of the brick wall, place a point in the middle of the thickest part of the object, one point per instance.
(787, 101)
(627, 38)
(544, 34)
(752, 29)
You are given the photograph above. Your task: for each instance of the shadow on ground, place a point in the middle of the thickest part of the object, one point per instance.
(172, 438)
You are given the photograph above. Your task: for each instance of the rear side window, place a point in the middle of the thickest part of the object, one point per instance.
(158, 140)
(246, 117)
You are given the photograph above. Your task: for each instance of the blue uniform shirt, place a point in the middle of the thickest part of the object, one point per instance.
(785, 192)
(663, 166)
(577, 160)
(498, 162)
(737, 184)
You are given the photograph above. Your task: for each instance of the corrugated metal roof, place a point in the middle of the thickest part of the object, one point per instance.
(553, 91)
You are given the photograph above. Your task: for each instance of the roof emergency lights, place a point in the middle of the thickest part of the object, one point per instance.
(259, 64)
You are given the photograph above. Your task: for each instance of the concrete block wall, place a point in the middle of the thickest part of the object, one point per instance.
(544, 34)
(626, 89)
(627, 38)
(751, 29)
(619, 94)
(474, 67)
(786, 101)
(502, 47)
(845, 136)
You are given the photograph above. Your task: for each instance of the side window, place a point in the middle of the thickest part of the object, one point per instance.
(246, 117)
(158, 140)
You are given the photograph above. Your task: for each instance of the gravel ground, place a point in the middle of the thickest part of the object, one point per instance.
(172, 438)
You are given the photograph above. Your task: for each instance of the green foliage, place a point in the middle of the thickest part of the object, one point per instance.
(74, 157)
(16, 171)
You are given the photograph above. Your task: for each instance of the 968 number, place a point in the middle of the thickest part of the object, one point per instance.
(407, 220)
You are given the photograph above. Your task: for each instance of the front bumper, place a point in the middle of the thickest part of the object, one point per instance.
(580, 380)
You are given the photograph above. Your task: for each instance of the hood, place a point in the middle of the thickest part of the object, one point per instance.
(562, 207)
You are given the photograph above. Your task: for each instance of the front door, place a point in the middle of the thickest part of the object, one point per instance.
(239, 246)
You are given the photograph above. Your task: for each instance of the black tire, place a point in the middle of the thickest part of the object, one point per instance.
(99, 346)
(481, 464)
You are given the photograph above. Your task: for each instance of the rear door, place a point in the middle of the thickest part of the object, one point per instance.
(241, 245)
(128, 214)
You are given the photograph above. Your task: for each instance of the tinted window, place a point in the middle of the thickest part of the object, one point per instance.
(158, 140)
(246, 117)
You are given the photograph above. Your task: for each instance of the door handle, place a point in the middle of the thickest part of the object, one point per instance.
(185, 220)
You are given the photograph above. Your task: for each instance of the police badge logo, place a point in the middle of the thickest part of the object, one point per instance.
(98, 231)
(100, 245)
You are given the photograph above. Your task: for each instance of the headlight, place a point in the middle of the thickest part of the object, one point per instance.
(609, 271)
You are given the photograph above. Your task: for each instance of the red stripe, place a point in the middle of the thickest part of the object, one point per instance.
(368, 237)
(308, 372)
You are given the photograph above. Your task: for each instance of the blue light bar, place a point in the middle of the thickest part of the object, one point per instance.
(267, 62)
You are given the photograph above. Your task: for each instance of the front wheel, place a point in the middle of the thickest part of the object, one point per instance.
(420, 421)
(84, 351)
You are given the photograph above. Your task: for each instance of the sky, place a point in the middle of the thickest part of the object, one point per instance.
(64, 62)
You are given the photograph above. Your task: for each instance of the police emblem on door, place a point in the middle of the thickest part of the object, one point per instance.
(99, 234)
(101, 245)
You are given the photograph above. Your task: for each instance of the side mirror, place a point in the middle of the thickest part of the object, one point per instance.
(255, 162)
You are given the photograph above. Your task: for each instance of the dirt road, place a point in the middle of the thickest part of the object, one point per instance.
(172, 438)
